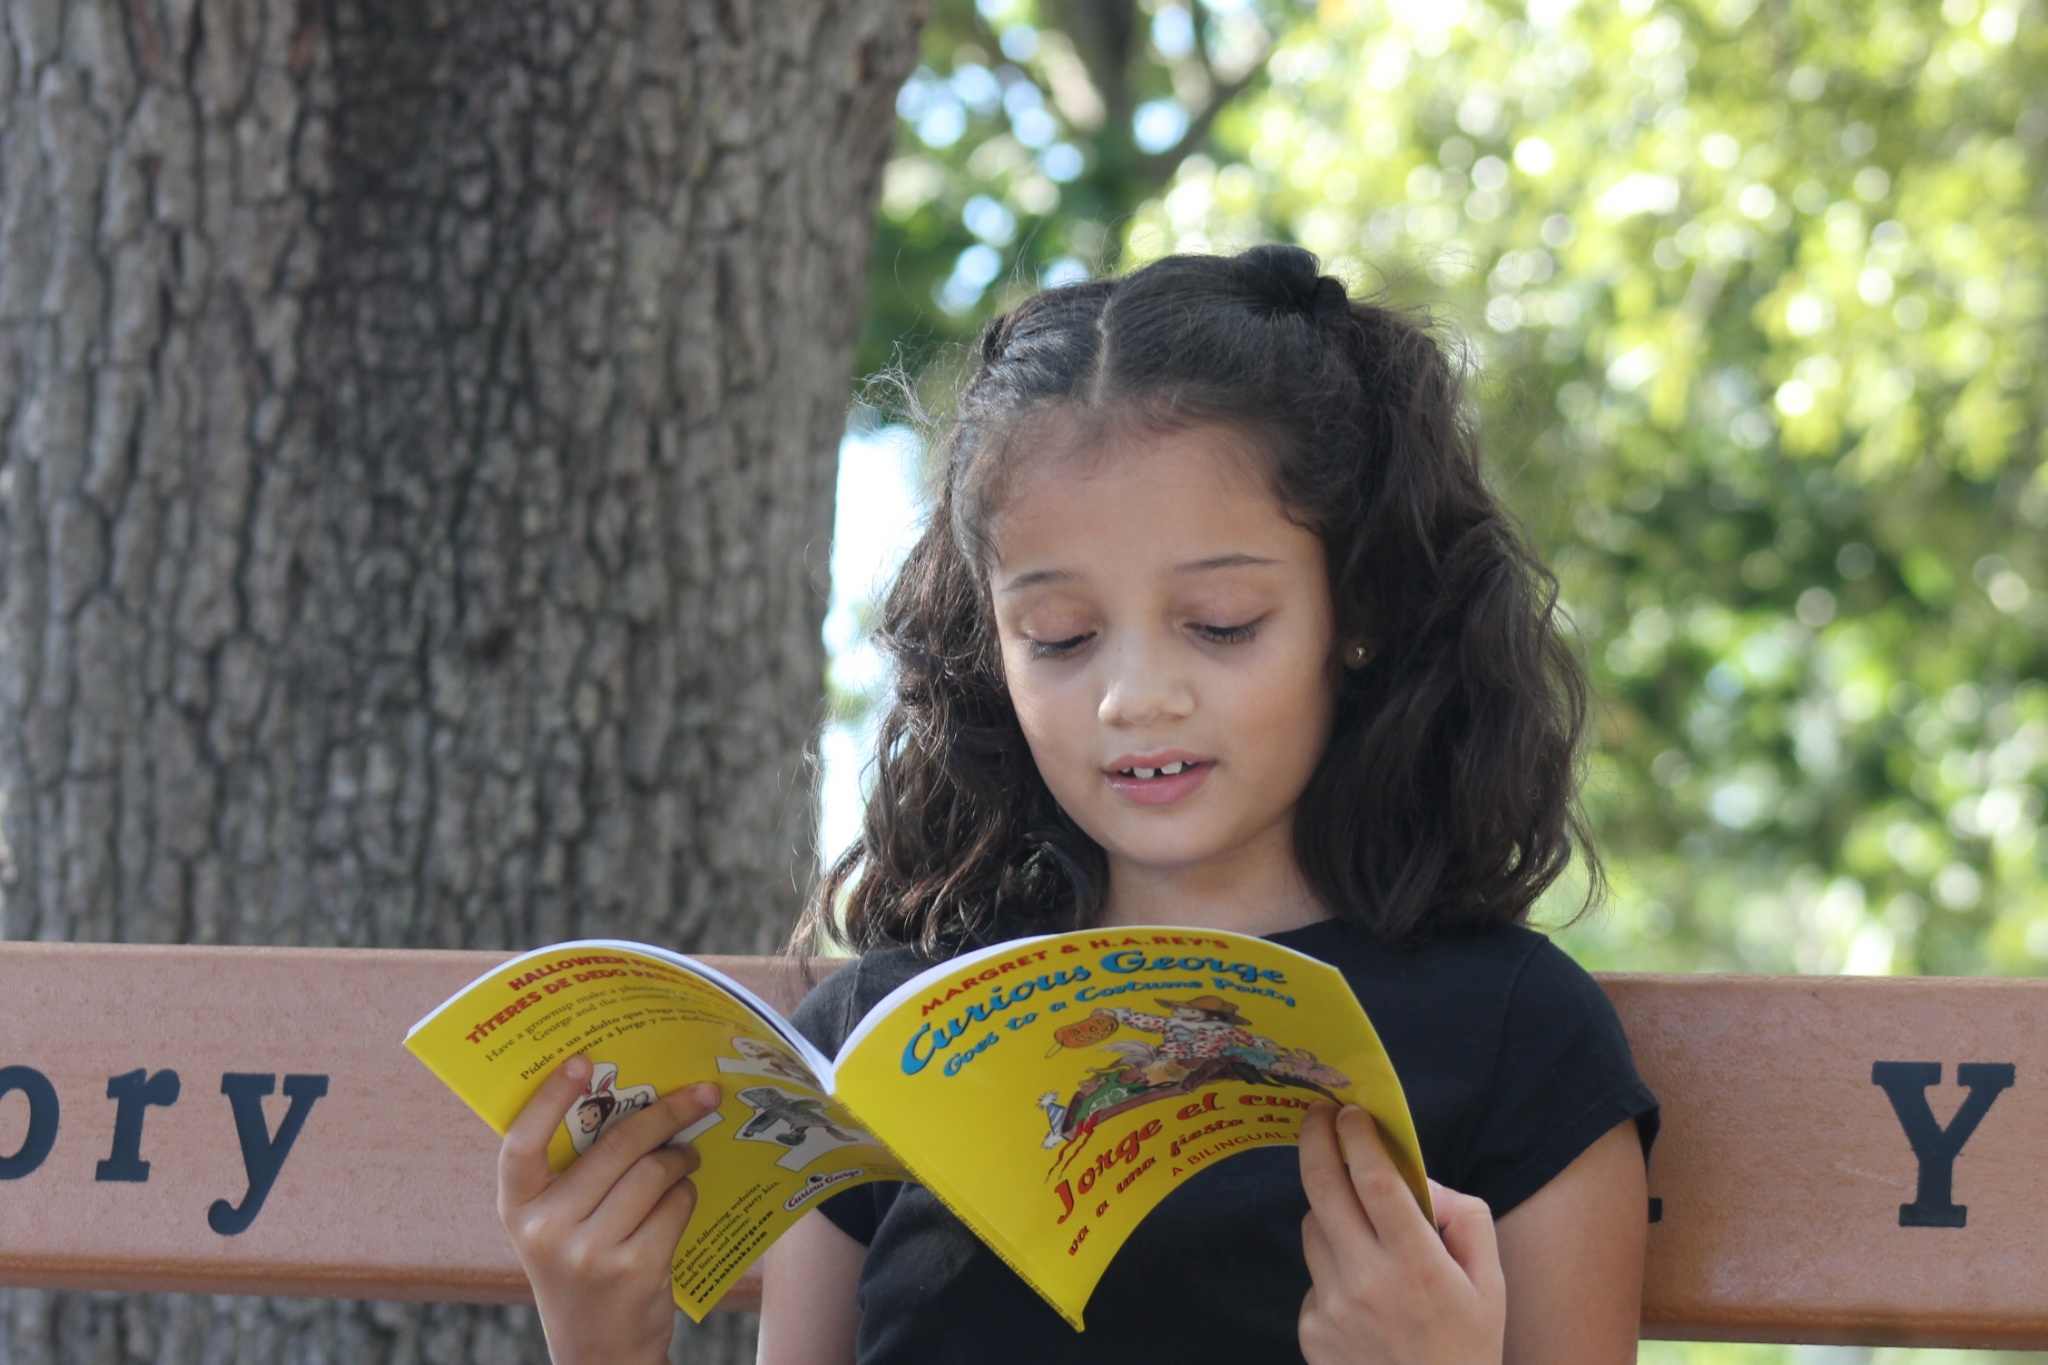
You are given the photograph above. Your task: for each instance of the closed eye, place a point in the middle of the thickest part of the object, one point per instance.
(1230, 635)
(1053, 649)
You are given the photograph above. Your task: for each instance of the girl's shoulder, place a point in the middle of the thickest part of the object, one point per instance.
(1503, 957)
(1514, 1056)
(1479, 1000)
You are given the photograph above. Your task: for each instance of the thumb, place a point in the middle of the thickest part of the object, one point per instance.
(1467, 1227)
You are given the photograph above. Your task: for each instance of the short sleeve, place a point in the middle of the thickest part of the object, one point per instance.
(825, 1017)
(1562, 1077)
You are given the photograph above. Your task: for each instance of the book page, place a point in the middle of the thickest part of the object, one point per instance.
(652, 1023)
(1052, 1091)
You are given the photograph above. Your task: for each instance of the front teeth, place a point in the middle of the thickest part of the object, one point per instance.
(1170, 770)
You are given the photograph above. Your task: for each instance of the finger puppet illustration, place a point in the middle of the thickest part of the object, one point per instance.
(797, 1122)
(757, 1058)
(1200, 1042)
(605, 1102)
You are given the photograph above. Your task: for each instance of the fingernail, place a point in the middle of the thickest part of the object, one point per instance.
(706, 1094)
(578, 1067)
(1354, 1109)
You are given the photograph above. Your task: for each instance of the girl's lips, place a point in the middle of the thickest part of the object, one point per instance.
(1160, 791)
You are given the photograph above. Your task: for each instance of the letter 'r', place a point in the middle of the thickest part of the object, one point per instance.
(1935, 1148)
(134, 1092)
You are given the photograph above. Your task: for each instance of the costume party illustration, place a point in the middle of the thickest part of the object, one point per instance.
(1199, 1042)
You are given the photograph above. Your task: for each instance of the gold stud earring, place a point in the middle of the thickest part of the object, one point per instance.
(1356, 656)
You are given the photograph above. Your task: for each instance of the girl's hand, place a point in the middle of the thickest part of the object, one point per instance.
(1386, 1286)
(596, 1240)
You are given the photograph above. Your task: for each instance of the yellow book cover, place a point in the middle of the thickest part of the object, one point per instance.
(1051, 1091)
(652, 1021)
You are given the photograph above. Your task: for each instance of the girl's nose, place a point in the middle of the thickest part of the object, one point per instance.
(1146, 686)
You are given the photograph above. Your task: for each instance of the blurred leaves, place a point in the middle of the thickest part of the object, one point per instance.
(1754, 292)
(1031, 133)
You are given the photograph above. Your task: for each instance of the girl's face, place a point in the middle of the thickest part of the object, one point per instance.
(1167, 641)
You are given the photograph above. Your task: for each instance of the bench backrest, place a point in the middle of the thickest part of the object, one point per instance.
(1815, 1180)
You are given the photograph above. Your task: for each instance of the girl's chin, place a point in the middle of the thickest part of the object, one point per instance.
(1166, 857)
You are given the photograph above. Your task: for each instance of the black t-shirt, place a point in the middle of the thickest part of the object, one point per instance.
(1513, 1062)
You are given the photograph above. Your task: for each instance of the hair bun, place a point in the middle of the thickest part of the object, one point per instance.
(995, 336)
(1291, 277)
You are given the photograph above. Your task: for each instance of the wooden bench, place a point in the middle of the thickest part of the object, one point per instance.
(243, 1120)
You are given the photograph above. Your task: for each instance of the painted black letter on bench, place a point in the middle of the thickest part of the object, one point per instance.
(1935, 1148)
(262, 1155)
(134, 1091)
(42, 1119)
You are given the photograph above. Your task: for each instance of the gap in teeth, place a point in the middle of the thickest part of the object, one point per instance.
(1169, 770)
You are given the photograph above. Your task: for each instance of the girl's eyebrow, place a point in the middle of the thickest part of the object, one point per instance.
(1236, 561)
(1033, 580)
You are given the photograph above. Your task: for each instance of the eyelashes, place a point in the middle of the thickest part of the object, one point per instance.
(1232, 635)
(1057, 649)
(1220, 635)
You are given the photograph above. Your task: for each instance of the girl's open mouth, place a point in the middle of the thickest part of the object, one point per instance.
(1158, 782)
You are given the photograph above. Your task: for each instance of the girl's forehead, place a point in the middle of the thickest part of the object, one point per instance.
(1136, 493)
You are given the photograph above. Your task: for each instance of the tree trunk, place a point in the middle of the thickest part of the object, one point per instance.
(420, 420)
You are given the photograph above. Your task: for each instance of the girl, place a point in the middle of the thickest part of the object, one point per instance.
(1216, 624)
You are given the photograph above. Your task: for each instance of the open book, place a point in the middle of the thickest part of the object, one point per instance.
(1051, 1091)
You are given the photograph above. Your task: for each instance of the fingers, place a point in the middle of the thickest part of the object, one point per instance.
(523, 1159)
(584, 1185)
(1466, 1223)
(1323, 1267)
(665, 1223)
(1382, 1285)
(1331, 1199)
(1389, 1204)
(626, 1205)
(597, 1240)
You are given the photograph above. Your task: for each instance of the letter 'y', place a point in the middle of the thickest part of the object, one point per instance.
(262, 1155)
(1935, 1148)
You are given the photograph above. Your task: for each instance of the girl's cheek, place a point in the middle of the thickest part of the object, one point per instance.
(1038, 719)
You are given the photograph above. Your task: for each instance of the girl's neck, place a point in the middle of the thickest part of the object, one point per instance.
(1263, 899)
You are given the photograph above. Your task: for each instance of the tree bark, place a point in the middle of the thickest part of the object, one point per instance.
(420, 420)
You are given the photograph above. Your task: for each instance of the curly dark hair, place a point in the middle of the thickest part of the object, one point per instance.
(1447, 796)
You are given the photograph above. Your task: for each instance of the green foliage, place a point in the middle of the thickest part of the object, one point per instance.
(1755, 298)
(1030, 134)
